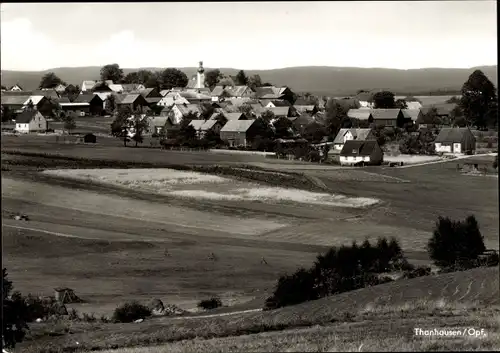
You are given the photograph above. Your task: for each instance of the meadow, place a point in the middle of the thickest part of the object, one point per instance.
(113, 237)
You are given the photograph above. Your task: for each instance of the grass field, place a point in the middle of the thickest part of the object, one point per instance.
(112, 244)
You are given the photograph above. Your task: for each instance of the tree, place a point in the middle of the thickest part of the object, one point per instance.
(50, 80)
(4, 88)
(384, 100)
(254, 82)
(245, 109)
(453, 99)
(187, 133)
(14, 322)
(478, 100)
(241, 78)
(401, 104)
(121, 124)
(131, 77)
(7, 114)
(112, 72)
(171, 78)
(212, 78)
(283, 128)
(314, 132)
(336, 117)
(110, 104)
(72, 92)
(69, 123)
(138, 125)
(456, 244)
(262, 128)
(431, 117)
(30, 106)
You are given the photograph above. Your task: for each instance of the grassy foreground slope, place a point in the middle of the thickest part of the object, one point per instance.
(452, 300)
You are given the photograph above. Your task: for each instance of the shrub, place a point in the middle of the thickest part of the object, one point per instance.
(89, 317)
(339, 270)
(73, 315)
(456, 244)
(417, 272)
(209, 304)
(130, 312)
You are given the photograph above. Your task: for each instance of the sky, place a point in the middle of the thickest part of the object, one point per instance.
(249, 35)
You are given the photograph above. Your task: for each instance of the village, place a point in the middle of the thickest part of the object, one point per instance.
(256, 117)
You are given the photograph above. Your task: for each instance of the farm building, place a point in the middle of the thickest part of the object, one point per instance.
(132, 87)
(31, 121)
(80, 109)
(268, 103)
(351, 134)
(16, 88)
(133, 101)
(14, 103)
(235, 132)
(195, 98)
(365, 152)
(443, 111)
(271, 92)
(93, 100)
(280, 111)
(148, 92)
(455, 140)
(203, 126)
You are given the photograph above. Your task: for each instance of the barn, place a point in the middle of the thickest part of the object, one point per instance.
(455, 140)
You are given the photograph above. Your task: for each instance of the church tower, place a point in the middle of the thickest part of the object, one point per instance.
(200, 76)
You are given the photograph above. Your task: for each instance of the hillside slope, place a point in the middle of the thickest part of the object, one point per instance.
(315, 79)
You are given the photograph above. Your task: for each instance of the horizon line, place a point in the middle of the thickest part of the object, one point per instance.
(278, 68)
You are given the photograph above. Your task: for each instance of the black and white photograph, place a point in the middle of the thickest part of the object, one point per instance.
(260, 176)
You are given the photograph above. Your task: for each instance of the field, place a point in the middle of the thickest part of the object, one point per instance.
(115, 235)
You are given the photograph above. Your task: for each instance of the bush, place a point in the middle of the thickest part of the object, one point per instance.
(209, 304)
(417, 272)
(339, 270)
(456, 244)
(89, 317)
(130, 312)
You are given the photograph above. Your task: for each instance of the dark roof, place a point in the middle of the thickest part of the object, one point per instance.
(85, 98)
(281, 103)
(26, 116)
(385, 113)
(63, 100)
(452, 135)
(358, 148)
(153, 100)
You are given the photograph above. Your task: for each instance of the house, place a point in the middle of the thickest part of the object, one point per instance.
(115, 88)
(105, 86)
(234, 132)
(158, 123)
(271, 92)
(195, 98)
(388, 117)
(203, 126)
(181, 110)
(280, 111)
(305, 106)
(94, 101)
(359, 114)
(267, 103)
(132, 87)
(172, 98)
(133, 101)
(148, 92)
(88, 86)
(413, 114)
(229, 116)
(31, 121)
(365, 99)
(443, 111)
(455, 140)
(352, 134)
(48, 93)
(364, 152)
(231, 92)
(16, 88)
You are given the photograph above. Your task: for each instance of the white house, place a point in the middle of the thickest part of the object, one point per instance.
(31, 121)
(351, 134)
(172, 98)
(366, 152)
(16, 88)
(455, 140)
